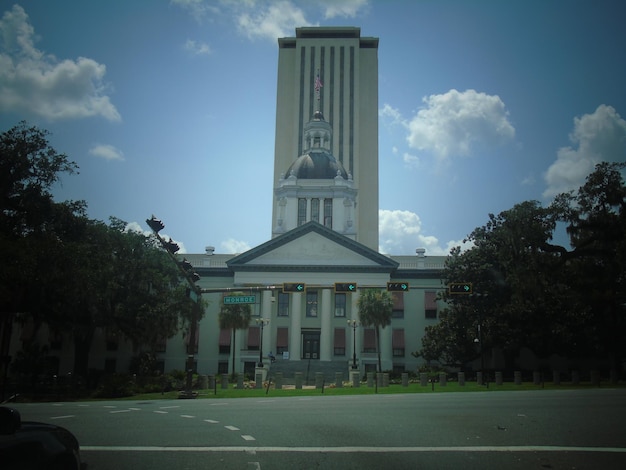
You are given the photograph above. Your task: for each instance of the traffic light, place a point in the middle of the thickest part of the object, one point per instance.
(460, 288)
(293, 287)
(188, 268)
(345, 286)
(398, 286)
(155, 224)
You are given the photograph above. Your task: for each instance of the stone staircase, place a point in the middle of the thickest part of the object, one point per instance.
(309, 368)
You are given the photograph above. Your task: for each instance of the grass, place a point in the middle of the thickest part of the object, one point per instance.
(451, 387)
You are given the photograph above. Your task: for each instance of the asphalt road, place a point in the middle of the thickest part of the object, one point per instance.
(582, 429)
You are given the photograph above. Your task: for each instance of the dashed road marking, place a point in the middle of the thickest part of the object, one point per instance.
(232, 428)
(247, 437)
(161, 412)
(63, 417)
(212, 421)
(187, 416)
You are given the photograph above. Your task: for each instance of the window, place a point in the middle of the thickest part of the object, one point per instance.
(224, 341)
(430, 304)
(398, 305)
(283, 304)
(340, 305)
(222, 367)
(340, 342)
(311, 303)
(282, 340)
(369, 340)
(315, 210)
(301, 211)
(254, 338)
(397, 342)
(328, 213)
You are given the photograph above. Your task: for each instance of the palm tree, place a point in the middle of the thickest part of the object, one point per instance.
(375, 309)
(234, 317)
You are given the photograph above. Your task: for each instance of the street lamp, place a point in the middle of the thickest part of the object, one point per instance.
(353, 324)
(195, 293)
(261, 322)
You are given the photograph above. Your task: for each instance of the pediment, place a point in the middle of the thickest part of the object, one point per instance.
(312, 247)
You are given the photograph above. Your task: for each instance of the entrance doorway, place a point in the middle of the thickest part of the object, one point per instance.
(311, 345)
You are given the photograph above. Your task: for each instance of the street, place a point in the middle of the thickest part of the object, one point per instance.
(514, 430)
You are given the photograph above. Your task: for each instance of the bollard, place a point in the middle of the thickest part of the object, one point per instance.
(225, 382)
(479, 378)
(240, 381)
(370, 379)
(338, 380)
(405, 379)
(319, 380)
(211, 382)
(443, 379)
(498, 378)
(278, 380)
(204, 382)
(575, 377)
(423, 379)
(258, 380)
(595, 378)
(356, 383)
(461, 379)
(556, 377)
(386, 379)
(517, 377)
(379, 380)
(536, 378)
(298, 376)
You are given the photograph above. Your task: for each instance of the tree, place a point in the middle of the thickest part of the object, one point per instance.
(234, 317)
(375, 310)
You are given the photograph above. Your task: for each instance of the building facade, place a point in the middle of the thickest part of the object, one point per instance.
(324, 238)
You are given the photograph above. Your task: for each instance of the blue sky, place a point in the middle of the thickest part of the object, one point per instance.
(168, 107)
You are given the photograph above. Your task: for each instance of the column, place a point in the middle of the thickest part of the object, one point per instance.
(266, 312)
(326, 334)
(295, 329)
(386, 359)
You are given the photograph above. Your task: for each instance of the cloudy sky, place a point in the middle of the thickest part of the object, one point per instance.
(168, 106)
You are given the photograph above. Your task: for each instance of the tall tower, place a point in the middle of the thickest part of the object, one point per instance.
(332, 71)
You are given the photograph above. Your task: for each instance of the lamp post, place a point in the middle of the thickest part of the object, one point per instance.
(353, 324)
(195, 293)
(261, 322)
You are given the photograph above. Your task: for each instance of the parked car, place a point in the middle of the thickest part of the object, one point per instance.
(26, 445)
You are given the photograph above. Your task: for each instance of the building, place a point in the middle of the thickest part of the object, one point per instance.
(303, 284)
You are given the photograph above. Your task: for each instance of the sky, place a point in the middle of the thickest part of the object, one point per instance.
(168, 107)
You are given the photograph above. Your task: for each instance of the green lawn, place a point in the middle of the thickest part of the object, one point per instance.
(451, 387)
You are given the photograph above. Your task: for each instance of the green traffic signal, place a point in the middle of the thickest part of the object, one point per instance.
(398, 286)
(345, 286)
(294, 287)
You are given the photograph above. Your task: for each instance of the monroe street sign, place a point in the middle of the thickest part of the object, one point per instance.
(240, 299)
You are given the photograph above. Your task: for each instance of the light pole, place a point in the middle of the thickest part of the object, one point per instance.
(261, 322)
(195, 293)
(353, 324)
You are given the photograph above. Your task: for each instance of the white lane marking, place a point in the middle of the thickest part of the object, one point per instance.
(168, 407)
(339, 450)
(187, 416)
(161, 412)
(109, 406)
(135, 409)
(63, 417)
(212, 421)
(218, 404)
(232, 428)
(247, 437)
(119, 411)
(256, 465)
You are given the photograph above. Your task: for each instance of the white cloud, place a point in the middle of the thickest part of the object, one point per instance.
(279, 19)
(392, 114)
(199, 9)
(234, 246)
(108, 152)
(39, 84)
(400, 233)
(344, 8)
(197, 48)
(597, 137)
(411, 161)
(453, 123)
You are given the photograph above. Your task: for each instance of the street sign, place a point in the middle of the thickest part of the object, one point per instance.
(294, 287)
(239, 299)
(460, 288)
(345, 286)
(398, 286)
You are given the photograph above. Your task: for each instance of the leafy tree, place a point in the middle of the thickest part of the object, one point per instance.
(375, 310)
(596, 222)
(234, 317)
